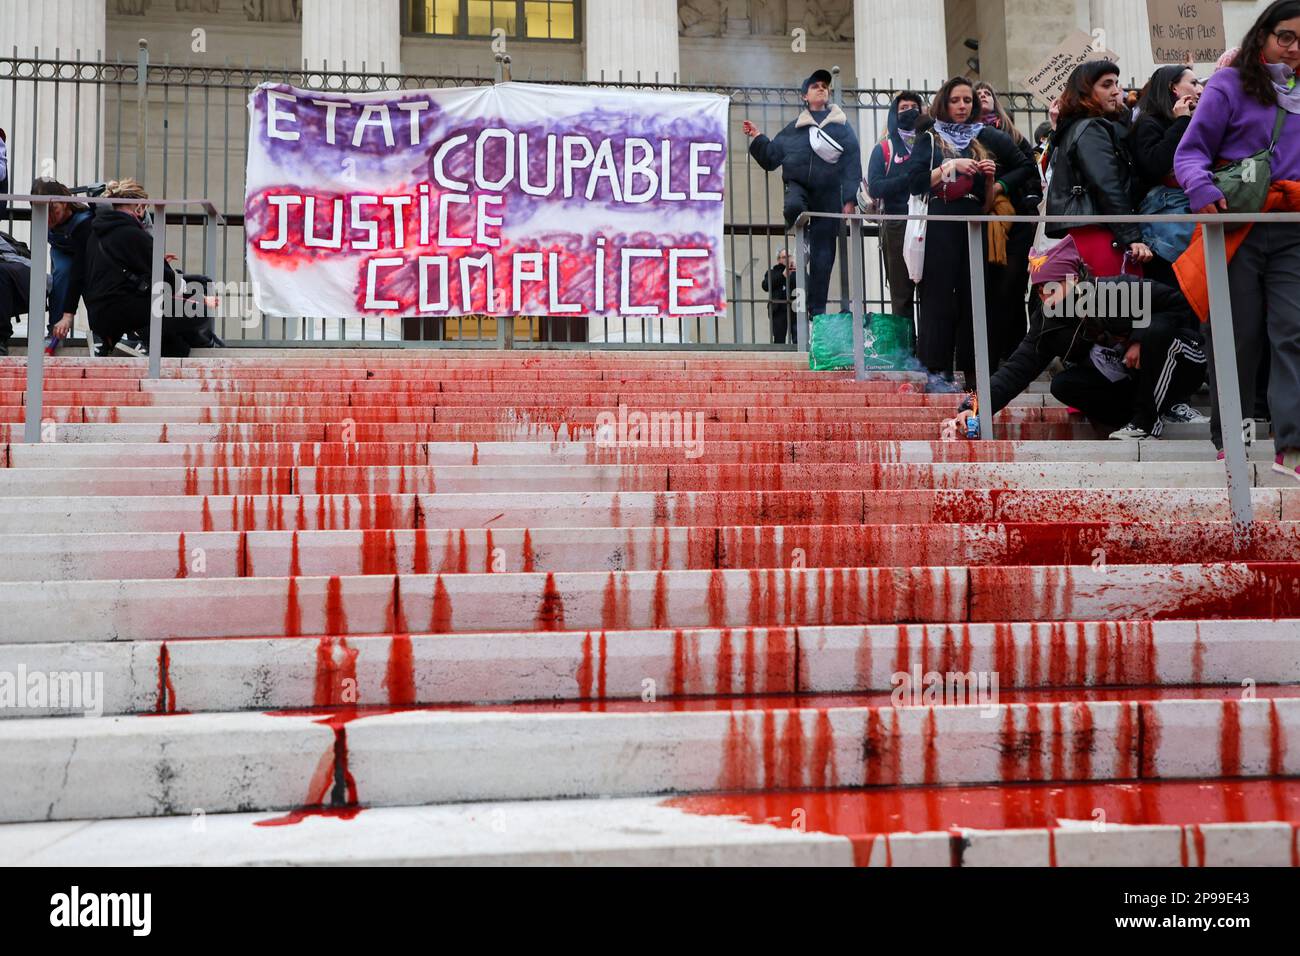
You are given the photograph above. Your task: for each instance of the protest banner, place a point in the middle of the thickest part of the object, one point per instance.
(1186, 31)
(512, 199)
(1049, 80)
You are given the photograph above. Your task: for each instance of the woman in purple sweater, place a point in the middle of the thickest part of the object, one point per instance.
(1233, 120)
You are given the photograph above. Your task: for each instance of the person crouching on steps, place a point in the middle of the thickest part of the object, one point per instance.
(820, 162)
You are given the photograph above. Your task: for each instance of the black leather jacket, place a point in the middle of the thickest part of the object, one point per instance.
(1093, 175)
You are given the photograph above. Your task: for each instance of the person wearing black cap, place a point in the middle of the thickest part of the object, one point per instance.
(821, 166)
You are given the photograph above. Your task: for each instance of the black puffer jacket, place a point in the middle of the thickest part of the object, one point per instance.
(119, 254)
(829, 184)
(1070, 339)
(1093, 175)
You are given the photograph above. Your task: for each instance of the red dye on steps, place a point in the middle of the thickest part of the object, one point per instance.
(336, 619)
(550, 612)
(336, 673)
(860, 814)
(166, 703)
(181, 565)
(1230, 739)
(399, 677)
(440, 620)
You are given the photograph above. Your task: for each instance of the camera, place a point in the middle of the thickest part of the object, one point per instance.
(93, 189)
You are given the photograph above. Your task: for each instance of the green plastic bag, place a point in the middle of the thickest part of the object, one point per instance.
(889, 342)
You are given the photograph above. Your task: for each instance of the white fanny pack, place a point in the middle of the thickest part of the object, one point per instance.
(824, 145)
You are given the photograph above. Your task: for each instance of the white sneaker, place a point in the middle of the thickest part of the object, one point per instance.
(123, 346)
(1184, 414)
(1130, 432)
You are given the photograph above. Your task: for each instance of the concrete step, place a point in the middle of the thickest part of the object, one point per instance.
(71, 432)
(1145, 823)
(1033, 663)
(446, 510)
(388, 479)
(89, 555)
(165, 609)
(169, 764)
(668, 447)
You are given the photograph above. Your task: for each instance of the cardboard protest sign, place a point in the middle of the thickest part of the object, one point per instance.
(513, 199)
(1186, 31)
(1049, 80)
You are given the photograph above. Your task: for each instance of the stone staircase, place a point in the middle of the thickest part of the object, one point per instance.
(411, 607)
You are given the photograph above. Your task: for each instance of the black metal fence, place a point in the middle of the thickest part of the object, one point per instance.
(182, 130)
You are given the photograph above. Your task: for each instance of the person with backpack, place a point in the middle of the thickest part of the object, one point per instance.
(1245, 133)
(119, 264)
(1092, 172)
(888, 189)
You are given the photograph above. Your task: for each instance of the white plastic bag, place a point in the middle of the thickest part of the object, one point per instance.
(914, 237)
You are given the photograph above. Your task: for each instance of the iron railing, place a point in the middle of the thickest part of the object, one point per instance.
(183, 129)
(1221, 328)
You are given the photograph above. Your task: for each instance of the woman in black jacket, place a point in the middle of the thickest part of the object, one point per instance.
(119, 264)
(1093, 173)
(963, 166)
(1164, 113)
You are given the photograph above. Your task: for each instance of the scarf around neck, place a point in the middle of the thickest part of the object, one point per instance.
(958, 135)
(1288, 90)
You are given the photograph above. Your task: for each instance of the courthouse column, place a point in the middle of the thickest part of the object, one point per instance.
(1127, 32)
(67, 149)
(637, 40)
(630, 37)
(355, 32)
(898, 44)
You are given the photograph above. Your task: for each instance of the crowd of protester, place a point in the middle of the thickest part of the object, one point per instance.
(102, 257)
(1177, 146)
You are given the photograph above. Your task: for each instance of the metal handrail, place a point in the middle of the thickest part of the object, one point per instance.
(35, 402)
(1221, 330)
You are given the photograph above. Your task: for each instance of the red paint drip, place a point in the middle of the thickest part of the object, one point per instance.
(336, 673)
(292, 611)
(336, 619)
(550, 612)
(166, 690)
(399, 677)
(440, 620)
(528, 552)
(181, 568)
(1230, 739)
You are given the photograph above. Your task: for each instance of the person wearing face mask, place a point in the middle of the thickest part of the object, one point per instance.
(1164, 113)
(1245, 109)
(1093, 173)
(887, 185)
(119, 264)
(821, 167)
(964, 167)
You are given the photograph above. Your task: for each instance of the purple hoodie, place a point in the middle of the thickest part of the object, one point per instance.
(1229, 125)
